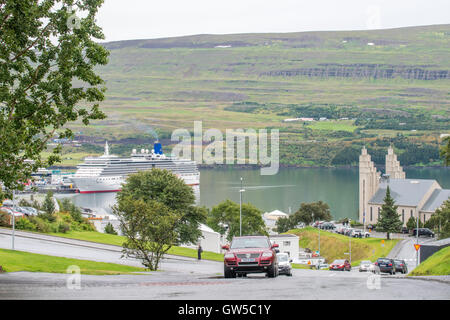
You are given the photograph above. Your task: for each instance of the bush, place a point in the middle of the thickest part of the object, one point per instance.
(63, 227)
(4, 219)
(41, 224)
(25, 224)
(110, 229)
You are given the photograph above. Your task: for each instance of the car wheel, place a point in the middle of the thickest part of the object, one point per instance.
(229, 273)
(272, 272)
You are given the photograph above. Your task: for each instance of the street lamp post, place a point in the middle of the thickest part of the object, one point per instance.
(13, 219)
(240, 208)
(417, 238)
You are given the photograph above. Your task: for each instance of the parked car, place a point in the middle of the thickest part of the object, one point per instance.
(341, 265)
(365, 265)
(348, 231)
(327, 226)
(356, 233)
(250, 254)
(386, 265)
(322, 266)
(284, 264)
(400, 266)
(405, 230)
(424, 232)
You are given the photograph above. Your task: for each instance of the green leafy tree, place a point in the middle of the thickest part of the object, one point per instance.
(47, 79)
(166, 188)
(440, 220)
(149, 227)
(319, 210)
(445, 151)
(389, 221)
(227, 213)
(284, 224)
(412, 223)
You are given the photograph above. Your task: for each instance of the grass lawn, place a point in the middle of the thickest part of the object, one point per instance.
(118, 241)
(13, 261)
(436, 265)
(333, 246)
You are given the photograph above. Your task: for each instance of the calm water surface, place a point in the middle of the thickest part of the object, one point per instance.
(284, 191)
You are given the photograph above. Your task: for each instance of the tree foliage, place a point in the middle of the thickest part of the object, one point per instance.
(445, 151)
(166, 188)
(440, 220)
(310, 212)
(389, 221)
(47, 79)
(227, 214)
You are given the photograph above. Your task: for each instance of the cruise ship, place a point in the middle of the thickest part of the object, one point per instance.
(108, 172)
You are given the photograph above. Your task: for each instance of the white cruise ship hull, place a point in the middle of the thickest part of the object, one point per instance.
(114, 184)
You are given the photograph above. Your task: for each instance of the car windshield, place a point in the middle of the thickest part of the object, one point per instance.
(366, 262)
(282, 258)
(338, 261)
(242, 243)
(384, 260)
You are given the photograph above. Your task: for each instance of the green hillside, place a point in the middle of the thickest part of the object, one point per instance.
(387, 83)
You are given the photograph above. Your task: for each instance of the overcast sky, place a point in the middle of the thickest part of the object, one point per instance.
(149, 19)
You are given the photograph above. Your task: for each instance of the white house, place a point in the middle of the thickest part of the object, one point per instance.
(210, 240)
(287, 243)
(270, 219)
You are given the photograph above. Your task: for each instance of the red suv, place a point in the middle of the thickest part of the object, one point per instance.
(250, 254)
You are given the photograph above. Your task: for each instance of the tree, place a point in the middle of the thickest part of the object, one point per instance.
(284, 224)
(166, 188)
(49, 205)
(445, 151)
(47, 79)
(227, 213)
(109, 229)
(389, 221)
(440, 220)
(149, 227)
(412, 223)
(309, 212)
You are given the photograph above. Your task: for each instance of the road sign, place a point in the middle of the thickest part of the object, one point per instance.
(417, 246)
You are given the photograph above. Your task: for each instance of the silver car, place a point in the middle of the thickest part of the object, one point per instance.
(365, 265)
(284, 264)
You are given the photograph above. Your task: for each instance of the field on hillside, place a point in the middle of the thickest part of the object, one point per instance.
(371, 84)
(334, 246)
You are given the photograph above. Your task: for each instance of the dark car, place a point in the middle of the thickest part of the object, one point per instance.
(340, 265)
(400, 266)
(327, 226)
(424, 232)
(405, 230)
(386, 265)
(250, 254)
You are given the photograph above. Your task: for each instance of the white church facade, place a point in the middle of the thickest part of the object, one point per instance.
(414, 197)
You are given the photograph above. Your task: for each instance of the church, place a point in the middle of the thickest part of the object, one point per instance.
(414, 197)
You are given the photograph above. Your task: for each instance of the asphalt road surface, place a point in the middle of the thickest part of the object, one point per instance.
(184, 279)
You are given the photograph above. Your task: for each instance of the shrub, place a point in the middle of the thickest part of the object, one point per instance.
(110, 229)
(4, 219)
(63, 227)
(41, 224)
(25, 224)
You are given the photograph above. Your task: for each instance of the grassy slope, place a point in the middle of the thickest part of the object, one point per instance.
(13, 261)
(436, 265)
(118, 241)
(333, 246)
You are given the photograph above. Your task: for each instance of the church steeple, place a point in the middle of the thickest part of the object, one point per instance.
(393, 168)
(369, 180)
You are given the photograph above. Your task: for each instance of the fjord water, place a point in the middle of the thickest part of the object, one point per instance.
(287, 189)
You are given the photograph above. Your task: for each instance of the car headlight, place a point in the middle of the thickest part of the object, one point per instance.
(229, 256)
(267, 254)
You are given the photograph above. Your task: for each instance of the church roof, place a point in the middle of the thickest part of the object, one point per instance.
(437, 198)
(406, 192)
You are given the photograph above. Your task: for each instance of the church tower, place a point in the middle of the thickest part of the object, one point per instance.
(369, 180)
(393, 168)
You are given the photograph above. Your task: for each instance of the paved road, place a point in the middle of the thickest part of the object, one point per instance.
(201, 280)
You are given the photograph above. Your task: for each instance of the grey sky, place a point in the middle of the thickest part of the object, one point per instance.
(148, 19)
